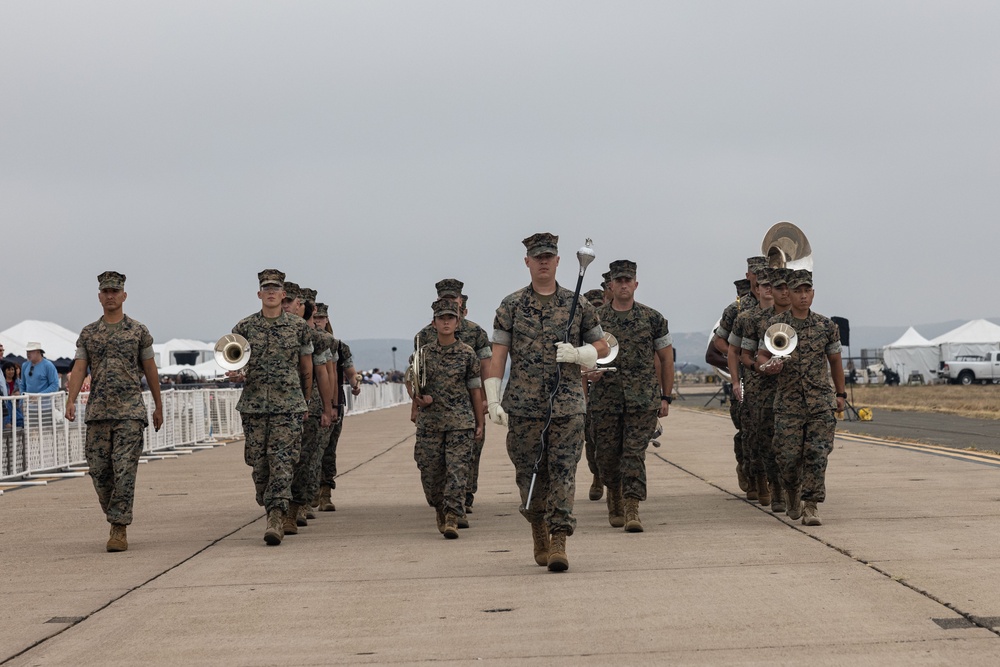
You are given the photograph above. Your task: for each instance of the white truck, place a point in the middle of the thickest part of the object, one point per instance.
(969, 371)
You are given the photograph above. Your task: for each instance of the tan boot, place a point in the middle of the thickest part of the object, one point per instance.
(558, 561)
(794, 509)
(751, 488)
(326, 500)
(440, 519)
(616, 508)
(810, 514)
(540, 538)
(777, 499)
(632, 523)
(596, 488)
(315, 501)
(308, 511)
(288, 523)
(450, 526)
(463, 522)
(763, 493)
(297, 512)
(741, 478)
(274, 531)
(117, 541)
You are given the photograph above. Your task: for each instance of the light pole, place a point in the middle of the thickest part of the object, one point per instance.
(393, 358)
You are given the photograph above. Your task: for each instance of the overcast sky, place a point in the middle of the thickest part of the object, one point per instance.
(371, 148)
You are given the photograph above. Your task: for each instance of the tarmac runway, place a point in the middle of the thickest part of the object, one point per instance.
(903, 571)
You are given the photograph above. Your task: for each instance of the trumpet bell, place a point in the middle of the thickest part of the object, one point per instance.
(780, 340)
(612, 342)
(786, 246)
(232, 352)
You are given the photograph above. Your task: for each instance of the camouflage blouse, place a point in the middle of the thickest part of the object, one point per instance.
(530, 327)
(634, 387)
(451, 371)
(115, 354)
(804, 384)
(272, 374)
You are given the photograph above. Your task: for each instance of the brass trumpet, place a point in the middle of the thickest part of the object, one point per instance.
(232, 352)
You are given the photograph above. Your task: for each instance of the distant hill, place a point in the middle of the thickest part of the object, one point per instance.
(377, 353)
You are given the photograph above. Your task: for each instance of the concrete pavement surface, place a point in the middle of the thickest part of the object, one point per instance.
(903, 571)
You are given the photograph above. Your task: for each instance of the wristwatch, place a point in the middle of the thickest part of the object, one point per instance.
(668, 399)
(842, 395)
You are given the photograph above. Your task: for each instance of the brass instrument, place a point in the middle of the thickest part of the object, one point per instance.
(232, 352)
(780, 340)
(612, 342)
(419, 378)
(786, 246)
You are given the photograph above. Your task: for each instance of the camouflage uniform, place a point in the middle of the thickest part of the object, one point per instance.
(765, 386)
(804, 406)
(723, 331)
(328, 466)
(116, 415)
(446, 427)
(272, 403)
(625, 404)
(596, 298)
(474, 336)
(749, 406)
(530, 326)
(305, 478)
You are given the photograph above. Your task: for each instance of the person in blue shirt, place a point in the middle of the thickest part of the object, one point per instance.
(38, 374)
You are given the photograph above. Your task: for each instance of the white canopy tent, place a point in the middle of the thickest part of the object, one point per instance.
(57, 341)
(166, 354)
(912, 352)
(972, 338)
(208, 370)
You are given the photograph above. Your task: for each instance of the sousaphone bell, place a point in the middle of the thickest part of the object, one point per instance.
(232, 352)
(786, 246)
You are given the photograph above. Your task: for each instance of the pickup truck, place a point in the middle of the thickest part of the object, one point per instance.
(964, 371)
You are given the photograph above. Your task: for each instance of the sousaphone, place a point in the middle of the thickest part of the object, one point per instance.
(786, 246)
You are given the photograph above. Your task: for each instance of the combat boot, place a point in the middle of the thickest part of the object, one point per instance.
(308, 511)
(616, 508)
(596, 488)
(558, 561)
(777, 499)
(274, 531)
(117, 541)
(810, 514)
(450, 526)
(632, 523)
(325, 500)
(751, 488)
(540, 538)
(763, 493)
(288, 524)
(463, 522)
(794, 509)
(298, 513)
(440, 519)
(741, 478)
(315, 501)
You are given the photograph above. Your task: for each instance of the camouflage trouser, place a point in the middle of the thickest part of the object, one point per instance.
(621, 440)
(112, 450)
(734, 414)
(305, 478)
(271, 450)
(802, 444)
(552, 498)
(753, 463)
(477, 453)
(328, 467)
(589, 446)
(765, 431)
(443, 458)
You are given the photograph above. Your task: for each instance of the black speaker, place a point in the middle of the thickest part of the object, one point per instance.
(845, 330)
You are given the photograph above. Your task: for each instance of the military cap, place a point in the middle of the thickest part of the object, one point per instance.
(307, 294)
(465, 301)
(595, 297)
(271, 277)
(755, 264)
(111, 280)
(742, 286)
(541, 244)
(765, 276)
(449, 287)
(292, 290)
(605, 279)
(622, 268)
(780, 276)
(445, 307)
(322, 310)
(800, 277)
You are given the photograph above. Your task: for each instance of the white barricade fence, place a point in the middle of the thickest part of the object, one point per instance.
(37, 437)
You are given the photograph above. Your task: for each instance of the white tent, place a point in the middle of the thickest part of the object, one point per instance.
(57, 341)
(912, 352)
(165, 354)
(972, 338)
(204, 371)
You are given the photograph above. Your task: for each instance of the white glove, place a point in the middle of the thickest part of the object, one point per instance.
(497, 414)
(585, 355)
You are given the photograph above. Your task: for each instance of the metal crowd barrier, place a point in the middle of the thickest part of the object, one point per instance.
(36, 437)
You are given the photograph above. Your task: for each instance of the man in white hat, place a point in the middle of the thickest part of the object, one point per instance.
(38, 374)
